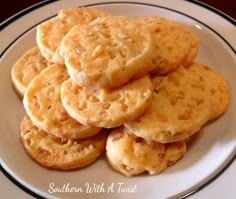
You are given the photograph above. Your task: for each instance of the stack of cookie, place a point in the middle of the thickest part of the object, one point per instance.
(130, 87)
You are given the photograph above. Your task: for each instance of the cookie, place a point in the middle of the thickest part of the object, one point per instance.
(43, 105)
(131, 155)
(58, 153)
(108, 52)
(107, 108)
(51, 32)
(28, 66)
(217, 86)
(175, 44)
(181, 105)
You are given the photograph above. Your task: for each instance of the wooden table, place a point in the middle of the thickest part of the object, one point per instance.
(10, 7)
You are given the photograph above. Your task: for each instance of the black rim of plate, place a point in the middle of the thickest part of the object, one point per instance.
(36, 6)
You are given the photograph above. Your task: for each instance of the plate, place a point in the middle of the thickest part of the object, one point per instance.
(209, 151)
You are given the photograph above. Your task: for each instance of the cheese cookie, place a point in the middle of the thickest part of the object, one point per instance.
(43, 104)
(107, 108)
(28, 66)
(175, 44)
(181, 105)
(108, 52)
(59, 153)
(131, 155)
(51, 32)
(217, 86)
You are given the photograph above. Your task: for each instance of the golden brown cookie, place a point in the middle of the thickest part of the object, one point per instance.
(181, 105)
(107, 108)
(50, 33)
(108, 52)
(217, 86)
(28, 66)
(43, 104)
(131, 155)
(175, 44)
(58, 153)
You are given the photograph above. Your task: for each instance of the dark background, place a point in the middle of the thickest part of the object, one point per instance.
(10, 7)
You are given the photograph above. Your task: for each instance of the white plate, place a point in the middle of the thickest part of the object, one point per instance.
(209, 152)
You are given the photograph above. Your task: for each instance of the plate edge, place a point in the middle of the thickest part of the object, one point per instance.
(23, 12)
(214, 10)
